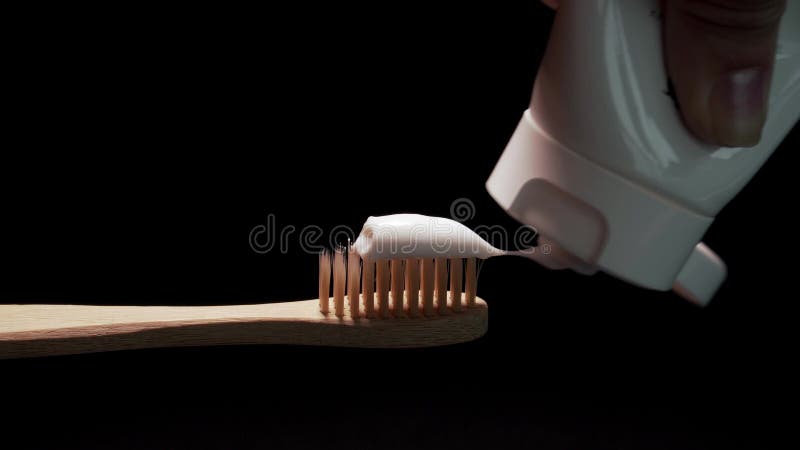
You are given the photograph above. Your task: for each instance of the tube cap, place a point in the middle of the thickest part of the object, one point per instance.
(602, 219)
(701, 276)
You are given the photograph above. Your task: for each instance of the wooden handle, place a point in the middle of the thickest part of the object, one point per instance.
(43, 330)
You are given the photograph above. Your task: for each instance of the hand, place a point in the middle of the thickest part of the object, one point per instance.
(719, 55)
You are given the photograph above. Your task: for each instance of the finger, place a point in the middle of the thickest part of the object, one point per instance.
(551, 3)
(719, 56)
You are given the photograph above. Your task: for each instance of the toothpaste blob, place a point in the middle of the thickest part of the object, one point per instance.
(418, 236)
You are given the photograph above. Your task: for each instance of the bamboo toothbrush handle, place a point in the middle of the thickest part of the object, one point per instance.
(44, 330)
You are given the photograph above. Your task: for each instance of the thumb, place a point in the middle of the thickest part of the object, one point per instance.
(719, 56)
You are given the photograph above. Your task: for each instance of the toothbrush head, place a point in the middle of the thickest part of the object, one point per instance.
(399, 288)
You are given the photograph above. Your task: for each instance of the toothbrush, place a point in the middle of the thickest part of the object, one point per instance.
(409, 305)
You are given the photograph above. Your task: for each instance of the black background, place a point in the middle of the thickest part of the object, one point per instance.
(143, 146)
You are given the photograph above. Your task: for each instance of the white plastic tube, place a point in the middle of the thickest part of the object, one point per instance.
(602, 165)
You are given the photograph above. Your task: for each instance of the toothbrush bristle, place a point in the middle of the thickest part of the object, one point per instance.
(426, 283)
(456, 269)
(398, 284)
(441, 285)
(339, 281)
(382, 283)
(353, 281)
(412, 286)
(471, 282)
(324, 281)
(368, 287)
(397, 287)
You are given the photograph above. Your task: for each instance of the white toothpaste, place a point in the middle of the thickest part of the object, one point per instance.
(418, 236)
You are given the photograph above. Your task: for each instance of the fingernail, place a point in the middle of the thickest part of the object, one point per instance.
(739, 106)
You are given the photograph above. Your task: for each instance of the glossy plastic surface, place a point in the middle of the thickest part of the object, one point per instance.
(601, 91)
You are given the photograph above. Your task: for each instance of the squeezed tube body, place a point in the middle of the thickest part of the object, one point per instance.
(602, 164)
